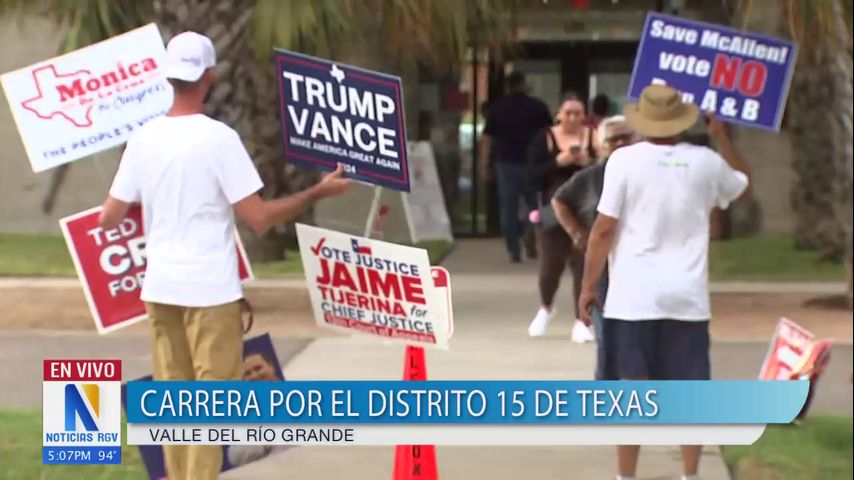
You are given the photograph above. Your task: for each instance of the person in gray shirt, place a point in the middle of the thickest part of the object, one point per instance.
(575, 203)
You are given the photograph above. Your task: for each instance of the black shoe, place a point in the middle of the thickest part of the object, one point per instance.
(515, 258)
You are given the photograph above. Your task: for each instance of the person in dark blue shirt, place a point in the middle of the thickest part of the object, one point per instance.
(511, 123)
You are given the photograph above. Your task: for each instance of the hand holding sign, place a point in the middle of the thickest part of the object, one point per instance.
(716, 127)
(334, 184)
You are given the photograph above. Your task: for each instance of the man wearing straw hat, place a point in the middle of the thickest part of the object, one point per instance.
(653, 228)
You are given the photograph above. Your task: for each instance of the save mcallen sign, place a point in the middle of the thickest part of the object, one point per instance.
(88, 100)
(741, 77)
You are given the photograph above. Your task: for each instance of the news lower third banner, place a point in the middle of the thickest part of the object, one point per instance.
(458, 412)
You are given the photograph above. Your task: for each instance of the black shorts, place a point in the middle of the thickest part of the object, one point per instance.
(659, 349)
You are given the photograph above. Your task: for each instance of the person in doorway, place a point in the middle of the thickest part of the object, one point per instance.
(554, 156)
(653, 228)
(192, 175)
(511, 123)
(600, 108)
(575, 204)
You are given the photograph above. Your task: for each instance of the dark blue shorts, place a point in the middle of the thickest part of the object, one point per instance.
(659, 349)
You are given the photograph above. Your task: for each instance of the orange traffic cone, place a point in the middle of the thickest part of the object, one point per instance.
(415, 462)
(415, 367)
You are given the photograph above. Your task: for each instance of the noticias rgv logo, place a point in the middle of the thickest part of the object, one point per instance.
(76, 407)
(73, 95)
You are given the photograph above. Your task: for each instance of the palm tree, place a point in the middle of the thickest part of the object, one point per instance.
(819, 120)
(396, 36)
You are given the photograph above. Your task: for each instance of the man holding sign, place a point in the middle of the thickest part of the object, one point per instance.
(654, 222)
(192, 174)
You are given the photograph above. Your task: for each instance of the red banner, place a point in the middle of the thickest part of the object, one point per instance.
(111, 266)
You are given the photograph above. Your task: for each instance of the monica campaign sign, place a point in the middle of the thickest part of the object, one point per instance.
(739, 76)
(111, 265)
(89, 100)
(334, 113)
(359, 285)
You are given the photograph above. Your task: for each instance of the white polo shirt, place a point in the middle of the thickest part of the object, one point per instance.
(188, 171)
(662, 196)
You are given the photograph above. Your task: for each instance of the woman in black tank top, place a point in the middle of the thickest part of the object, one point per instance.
(554, 156)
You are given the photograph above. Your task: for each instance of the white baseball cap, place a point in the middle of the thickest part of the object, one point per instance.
(188, 55)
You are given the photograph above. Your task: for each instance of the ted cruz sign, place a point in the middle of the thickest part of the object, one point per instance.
(335, 113)
(741, 77)
(111, 265)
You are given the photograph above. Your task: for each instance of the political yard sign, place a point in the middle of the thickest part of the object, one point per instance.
(741, 77)
(789, 354)
(359, 285)
(335, 113)
(442, 284)
(89, 100)
(260, 363)
(111, 265)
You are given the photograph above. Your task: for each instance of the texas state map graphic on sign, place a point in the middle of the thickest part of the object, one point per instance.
(50, 100)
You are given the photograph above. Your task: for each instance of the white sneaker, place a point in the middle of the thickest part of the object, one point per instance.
(540, 322)
(581, 333)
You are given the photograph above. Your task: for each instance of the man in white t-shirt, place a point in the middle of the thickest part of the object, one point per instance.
(192, 175)
(653, 228)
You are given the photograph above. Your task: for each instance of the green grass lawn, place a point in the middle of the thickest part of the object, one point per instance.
(819, 448)
(21, 454)
(291, 265)
(761, 258)
(769, 259)
(25, 255)
(47, 255)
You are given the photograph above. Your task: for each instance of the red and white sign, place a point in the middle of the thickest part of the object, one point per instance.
(442, 284)
(789, 346)
(111, 266)
(89, 100)
(361, 285)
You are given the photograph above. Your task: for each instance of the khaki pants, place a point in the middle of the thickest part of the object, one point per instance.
(204, 343)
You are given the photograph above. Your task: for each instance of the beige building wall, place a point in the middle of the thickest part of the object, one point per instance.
(22, 191)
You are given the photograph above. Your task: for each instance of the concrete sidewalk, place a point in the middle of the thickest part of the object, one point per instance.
(492, 356)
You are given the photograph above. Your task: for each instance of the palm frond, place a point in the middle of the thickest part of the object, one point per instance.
(437, 32)
(318, 26)
(85, 21)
